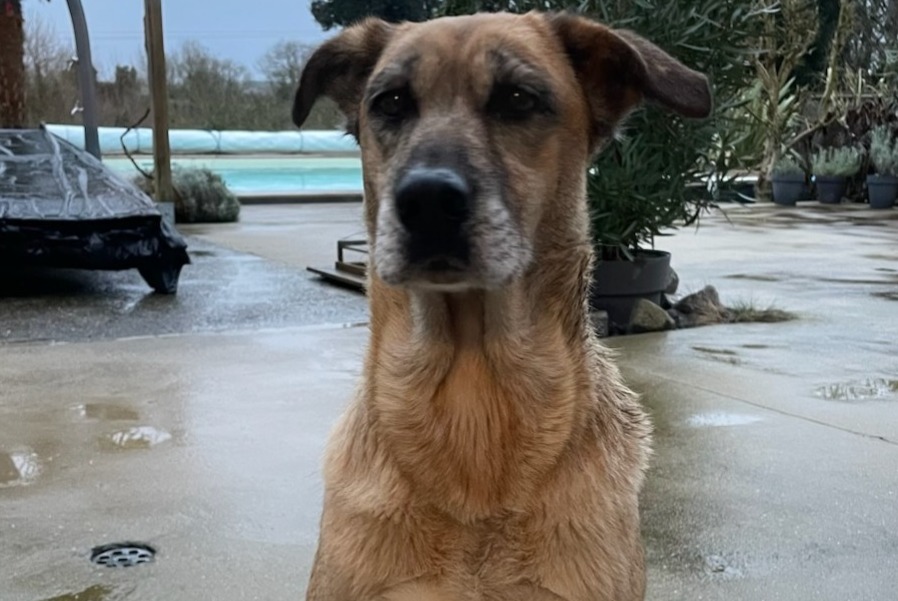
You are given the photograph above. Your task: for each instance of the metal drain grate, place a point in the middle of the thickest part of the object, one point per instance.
(122, 555)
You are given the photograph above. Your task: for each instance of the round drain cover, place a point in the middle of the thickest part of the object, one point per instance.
(122, 555)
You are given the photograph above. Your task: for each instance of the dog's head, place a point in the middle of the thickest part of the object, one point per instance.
(476, 131)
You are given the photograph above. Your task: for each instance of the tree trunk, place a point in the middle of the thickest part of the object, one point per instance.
(12, 65)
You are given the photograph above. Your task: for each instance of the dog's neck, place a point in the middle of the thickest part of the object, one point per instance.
(459, 371)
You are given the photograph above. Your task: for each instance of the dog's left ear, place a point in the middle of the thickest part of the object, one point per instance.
(618, 70)
(339, 69)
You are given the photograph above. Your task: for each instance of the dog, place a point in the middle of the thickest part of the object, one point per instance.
(492, 451)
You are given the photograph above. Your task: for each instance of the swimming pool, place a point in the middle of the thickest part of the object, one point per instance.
(266, 175)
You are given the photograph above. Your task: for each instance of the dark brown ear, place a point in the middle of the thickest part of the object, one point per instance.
(339, 69)
(619, 69)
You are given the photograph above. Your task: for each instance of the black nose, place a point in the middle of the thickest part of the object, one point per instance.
(432, 202)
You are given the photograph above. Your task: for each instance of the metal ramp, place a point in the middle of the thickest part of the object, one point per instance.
(350, 268)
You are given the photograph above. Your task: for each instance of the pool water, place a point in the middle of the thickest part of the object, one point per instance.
(266, 175)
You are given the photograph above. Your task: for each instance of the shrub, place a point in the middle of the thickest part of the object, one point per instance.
(655, 177)
(884, 151)
(201, 196)
(836, 162)
(787, 165)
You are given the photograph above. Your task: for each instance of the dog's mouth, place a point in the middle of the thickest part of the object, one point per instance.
(443, 273)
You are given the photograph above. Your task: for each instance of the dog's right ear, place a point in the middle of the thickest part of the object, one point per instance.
(339, 69)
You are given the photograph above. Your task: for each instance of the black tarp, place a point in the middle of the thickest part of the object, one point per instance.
(61, 207)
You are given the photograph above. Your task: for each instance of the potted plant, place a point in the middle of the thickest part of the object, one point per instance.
(882, 187)
(832, 167)
(788, 180)
(628, 211)
(656, 176)
(658, 173)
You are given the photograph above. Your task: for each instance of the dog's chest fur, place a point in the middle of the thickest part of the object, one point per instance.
(559, 538)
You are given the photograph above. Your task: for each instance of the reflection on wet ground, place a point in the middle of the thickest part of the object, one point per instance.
(107, 412)
(18, 467)
(139, 437)
(714, 351)
(721, 355)
(757, 278)
(208, 446)
(874, 388)
(93, 593)
(739, 506)
(719, 419)
(220, 290)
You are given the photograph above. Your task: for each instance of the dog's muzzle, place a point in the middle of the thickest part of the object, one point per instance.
(433, 205)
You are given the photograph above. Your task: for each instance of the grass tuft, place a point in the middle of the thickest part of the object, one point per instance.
(747, 312)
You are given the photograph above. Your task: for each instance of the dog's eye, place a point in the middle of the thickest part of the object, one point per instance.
(513, 102)
(393, 104)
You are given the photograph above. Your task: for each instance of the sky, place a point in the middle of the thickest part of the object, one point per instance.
(240, 30)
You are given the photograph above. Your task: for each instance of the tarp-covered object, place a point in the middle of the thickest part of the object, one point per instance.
(61, 207)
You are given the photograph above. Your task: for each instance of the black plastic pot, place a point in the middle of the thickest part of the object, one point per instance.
(617, 285)
(830, 189)
(882, 190)
(787, 189)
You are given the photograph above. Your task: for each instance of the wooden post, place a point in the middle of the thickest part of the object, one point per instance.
(159, 100)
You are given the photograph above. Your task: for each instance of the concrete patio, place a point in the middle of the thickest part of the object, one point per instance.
(196, 423)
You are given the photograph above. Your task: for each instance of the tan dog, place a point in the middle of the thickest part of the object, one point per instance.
(493, 452)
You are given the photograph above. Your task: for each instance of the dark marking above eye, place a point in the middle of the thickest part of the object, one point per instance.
(389, 95)
(520, 90)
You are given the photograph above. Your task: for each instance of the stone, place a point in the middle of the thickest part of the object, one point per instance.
(599, 321)
(673, 282)
(649, 317)
(701, 308)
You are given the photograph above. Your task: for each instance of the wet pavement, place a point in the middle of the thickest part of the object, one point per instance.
(223, 289)
(775, 475)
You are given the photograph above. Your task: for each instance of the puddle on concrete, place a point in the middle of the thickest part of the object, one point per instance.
(138, 437)
(875, 388)
(867, 223)
(861, 281)
(886, 269)
(18, 468)
(891, 295)
(714, 351)
(721, 419)
(881, 257)
(94, 593)
(719, 354)
(755, 346)
(753, 277)
(107, 412)
(721, 567)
